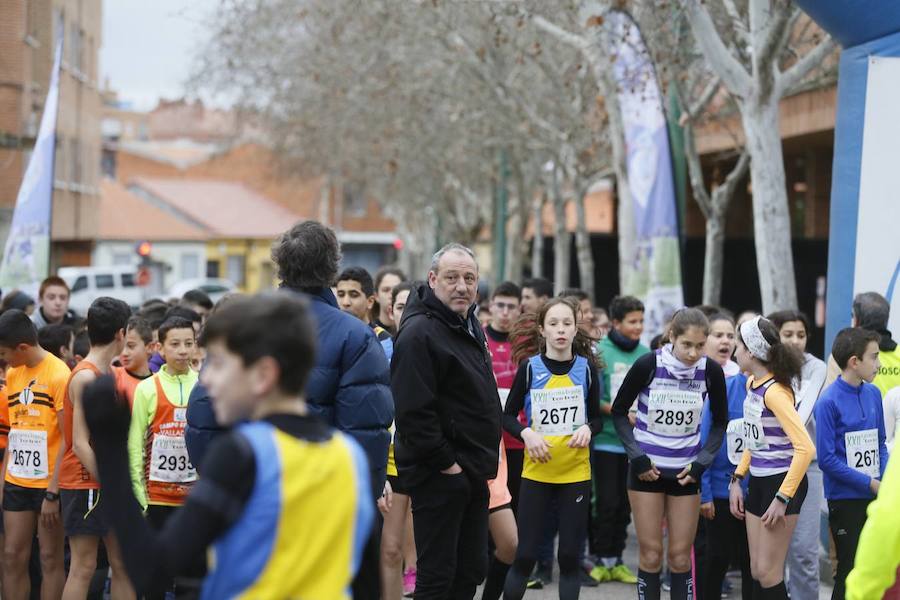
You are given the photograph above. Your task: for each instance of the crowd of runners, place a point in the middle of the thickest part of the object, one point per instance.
(375, 437)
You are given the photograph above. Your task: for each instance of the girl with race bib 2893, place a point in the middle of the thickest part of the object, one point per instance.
(726, 536)
(559, 389)
(777, 452)
(667, 457)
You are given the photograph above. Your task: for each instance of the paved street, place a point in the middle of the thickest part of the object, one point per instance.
(620, 591)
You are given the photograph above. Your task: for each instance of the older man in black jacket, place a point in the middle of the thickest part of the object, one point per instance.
(448, 425)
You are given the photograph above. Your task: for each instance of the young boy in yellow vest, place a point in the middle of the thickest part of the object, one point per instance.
(291, 527)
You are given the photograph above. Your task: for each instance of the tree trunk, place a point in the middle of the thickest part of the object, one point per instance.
(713, 260)
(537, 244)
(516, 247)
(771, 218)
(583, 245)
(562, 240)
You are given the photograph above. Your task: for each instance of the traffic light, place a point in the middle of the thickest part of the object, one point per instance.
(144, 249)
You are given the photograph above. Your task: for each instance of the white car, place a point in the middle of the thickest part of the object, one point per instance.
(89, 283)
(214, 288)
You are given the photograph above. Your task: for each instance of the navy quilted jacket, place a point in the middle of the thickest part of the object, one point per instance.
(349, 388)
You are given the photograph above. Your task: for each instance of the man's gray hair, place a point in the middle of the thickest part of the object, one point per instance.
(451, 247)
(872, 311)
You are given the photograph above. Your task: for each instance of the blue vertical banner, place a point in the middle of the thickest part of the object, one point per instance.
(26, 257)
(653, 273)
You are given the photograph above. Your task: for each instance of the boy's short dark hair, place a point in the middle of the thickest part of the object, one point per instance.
(622, 305)
(540, 286)
(508, 289)
(199, 298)
(385, 271)
(105, 318)
(852, 341)
(403, 286)
(55, 336)
(275, 325)
(16, 328)
(361, 276)
(173, 323)
(82, 344)
(576, 293)
(141, 327)
(154, 312)
(183, 312)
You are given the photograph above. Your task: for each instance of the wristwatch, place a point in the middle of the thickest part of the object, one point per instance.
(782, 498)
(51, 497)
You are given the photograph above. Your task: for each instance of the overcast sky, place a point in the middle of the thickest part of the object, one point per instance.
(148, 47)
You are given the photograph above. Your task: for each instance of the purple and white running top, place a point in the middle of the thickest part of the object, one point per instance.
(668, 415)
(770, 447)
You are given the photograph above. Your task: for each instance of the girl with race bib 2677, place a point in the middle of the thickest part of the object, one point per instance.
(667, 456)
(559, 389)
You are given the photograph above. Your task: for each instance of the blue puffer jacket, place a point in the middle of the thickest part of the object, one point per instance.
(201, 427)
(349, 388)
(350, 384)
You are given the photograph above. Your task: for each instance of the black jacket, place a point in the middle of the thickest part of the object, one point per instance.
(445, 395)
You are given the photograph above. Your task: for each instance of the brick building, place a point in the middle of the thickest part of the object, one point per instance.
(29, 32)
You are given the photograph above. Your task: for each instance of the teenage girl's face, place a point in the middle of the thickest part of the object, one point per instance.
(690, 346)
(793, 333)
(559, 328)
(399, 305)
(742, 356)
(632, 326)
(720, 343)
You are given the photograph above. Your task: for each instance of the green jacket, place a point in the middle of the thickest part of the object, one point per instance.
(178, 390)
(617, 362)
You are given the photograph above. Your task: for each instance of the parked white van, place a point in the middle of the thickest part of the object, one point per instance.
(89, 283)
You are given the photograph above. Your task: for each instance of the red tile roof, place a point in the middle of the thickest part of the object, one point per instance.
(126, 216)
(225, 209)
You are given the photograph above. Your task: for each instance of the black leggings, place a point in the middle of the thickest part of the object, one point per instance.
(534, 500)
(726, 540)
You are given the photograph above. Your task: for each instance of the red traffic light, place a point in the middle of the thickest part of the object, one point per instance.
(144, 249)
(398, 244)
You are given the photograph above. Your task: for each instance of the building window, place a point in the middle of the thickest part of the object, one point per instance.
(354, 201)
(190, 266)
(213, 269)
(236, 269)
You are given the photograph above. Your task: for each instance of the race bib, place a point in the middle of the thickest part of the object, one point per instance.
(557, 411)
(615, 383)
(504, 395)
(862, 452)
(169, 460)
(28, 454)
(754, 436)
(734, 437)
(674, 412)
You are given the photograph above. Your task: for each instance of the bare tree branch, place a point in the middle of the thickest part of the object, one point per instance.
(794, 76)
(723, 62)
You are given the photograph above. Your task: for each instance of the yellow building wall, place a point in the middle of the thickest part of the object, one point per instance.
(248, 263)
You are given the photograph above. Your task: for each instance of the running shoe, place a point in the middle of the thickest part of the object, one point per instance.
(586, 579)
(409, 583)
(601, 574)
(622, 573)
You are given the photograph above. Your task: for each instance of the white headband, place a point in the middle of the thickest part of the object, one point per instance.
(754, 340)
